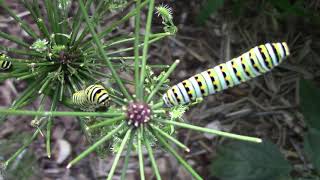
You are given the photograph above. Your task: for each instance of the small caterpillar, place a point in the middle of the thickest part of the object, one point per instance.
(92, 97)
(4, 65)
(256, 61)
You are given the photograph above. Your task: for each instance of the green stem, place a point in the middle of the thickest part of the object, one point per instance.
(212, 131)
(158, 105)
(95, 145)
(102, 53)
(116, 159)
(62, 89)
(49, 124)
(106, 122)
(152, 159)
(37, 17)
(145, 47)
(132, 48)
(178, 157)
(73, 84)
(153, 36)
(25, 61)
(43, 28)
(45, 85)
(136, 51)
(25, 145)
(75, 31)
(163, 78)
(27, 94)
(52, 21)
(14, 39)
(178, 143)
(23, 24)
(57, 113)
(117, 23)
(140, 154)
(126, 160)
(21, 52)
(38, 73)
(123, 58)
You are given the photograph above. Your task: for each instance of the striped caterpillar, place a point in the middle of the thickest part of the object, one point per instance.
(92, 97)
(4, 65)
(256, 61)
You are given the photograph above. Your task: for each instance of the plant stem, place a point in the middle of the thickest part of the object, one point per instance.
(154, 37)
(152, 159)
(178, 143)
(106, 122)
(140, 154)
(49, 124)
(25, 145)
(26, 94)
(95, 145)
(52, 21)
(136, 51)
(116, 159)
(25, 61)
(62, 89)
(13, 39)
(158, 105)
(212, 131)
(126, 160)
(117, 23)
(23, 24)
(163, 78)
(146, 46)
(178, 157)
(40, 72)
(76, 27)
(37, 17)
(132, 48)
(57, 113)
(45, 84)
(21, 51)
(102, 53)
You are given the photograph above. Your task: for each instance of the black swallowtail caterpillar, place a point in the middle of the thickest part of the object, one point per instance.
(253, 63)
(4, 65)
(93, 96)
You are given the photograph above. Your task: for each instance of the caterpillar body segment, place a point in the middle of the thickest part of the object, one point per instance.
(4, 65)
(92, 97)
(97, 95)
(257, 61)
(80, 98)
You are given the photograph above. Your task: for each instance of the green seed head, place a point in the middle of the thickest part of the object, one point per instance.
(165, 12)
(40, 45)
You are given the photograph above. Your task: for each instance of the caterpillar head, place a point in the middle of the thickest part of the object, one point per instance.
(167, 103)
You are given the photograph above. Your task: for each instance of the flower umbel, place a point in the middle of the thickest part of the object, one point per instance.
(138, 113)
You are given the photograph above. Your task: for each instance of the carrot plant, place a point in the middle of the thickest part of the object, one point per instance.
(69, 53)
